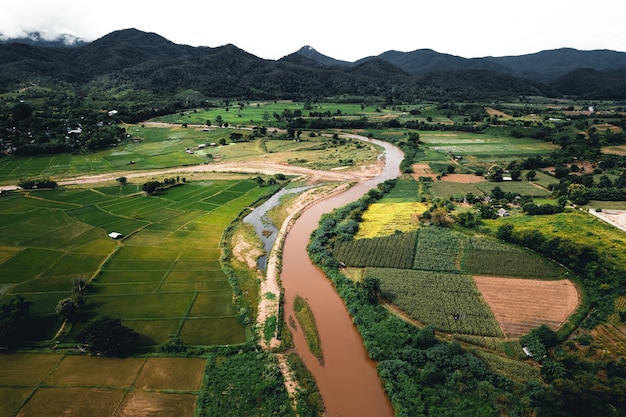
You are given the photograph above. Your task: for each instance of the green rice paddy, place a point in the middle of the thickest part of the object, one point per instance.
(163, 277)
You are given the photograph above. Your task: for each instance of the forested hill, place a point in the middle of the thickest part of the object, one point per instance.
(146, 63)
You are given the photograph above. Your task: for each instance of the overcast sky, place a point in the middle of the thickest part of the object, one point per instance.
(343, 30)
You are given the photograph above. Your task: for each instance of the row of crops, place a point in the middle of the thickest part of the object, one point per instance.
(394, 251)
(449, 302)
(444, 250)
(428, 273)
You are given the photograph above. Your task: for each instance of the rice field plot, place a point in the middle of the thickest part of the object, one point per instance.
(167, 272)
(26, 369)
(53, 384)
(76, 196)
(28, 264)
(95, 371)
(439, 249)
(107, 221)
(94, 402)
(183, 279)
(449, 302)
(404, 191)
(485, 256)
(394, 251)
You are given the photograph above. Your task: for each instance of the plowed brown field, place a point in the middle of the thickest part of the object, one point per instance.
(523, 304)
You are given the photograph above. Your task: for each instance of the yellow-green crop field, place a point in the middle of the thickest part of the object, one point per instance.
(382, 219)
(33, 385)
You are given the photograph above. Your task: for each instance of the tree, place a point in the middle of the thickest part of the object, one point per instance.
(440, 217)
(530, 175)
(494, 173)
(505, 232)
(21, 111)
(469, 219)
(497, 193)
(605, 182)
(67, 309)
(219, 120)
(108, 336)
(122, 180)
(174, 344)
(13, 315)
(151, 187)
(222, 141)
(371, 288)
(236, 137)
(578, 193)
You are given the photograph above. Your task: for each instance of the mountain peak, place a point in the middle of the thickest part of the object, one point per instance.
(309, 52)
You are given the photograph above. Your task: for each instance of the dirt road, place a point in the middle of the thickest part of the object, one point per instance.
(251, 167)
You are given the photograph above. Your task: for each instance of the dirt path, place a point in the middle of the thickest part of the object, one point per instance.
(616, 218)
(248, 167)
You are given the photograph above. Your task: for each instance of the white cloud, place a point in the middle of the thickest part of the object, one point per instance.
(349, 31)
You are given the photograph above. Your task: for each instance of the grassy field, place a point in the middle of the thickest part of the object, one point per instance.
(163, 278)
(262, 113)
(151, 147)
(572, 225)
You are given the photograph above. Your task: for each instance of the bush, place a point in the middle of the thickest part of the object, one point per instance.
(108, 336)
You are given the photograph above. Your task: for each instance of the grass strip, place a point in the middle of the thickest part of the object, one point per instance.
(305, 318)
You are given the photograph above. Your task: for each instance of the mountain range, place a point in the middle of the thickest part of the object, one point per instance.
(134, 60)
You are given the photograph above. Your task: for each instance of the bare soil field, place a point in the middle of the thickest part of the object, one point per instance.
(463, 178)
(615, 150)
(523, 304)
(156, 404)
(423, 170)
(497, 113)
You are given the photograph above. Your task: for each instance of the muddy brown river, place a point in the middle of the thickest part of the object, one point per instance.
(347, 380)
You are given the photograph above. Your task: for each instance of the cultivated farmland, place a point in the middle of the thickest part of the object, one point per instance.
(521, 304)
(163, 278)
(437, 288)
(448, 302)
(57, 384)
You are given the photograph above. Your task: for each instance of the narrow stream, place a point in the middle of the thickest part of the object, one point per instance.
(348, 380)
(263, 226)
